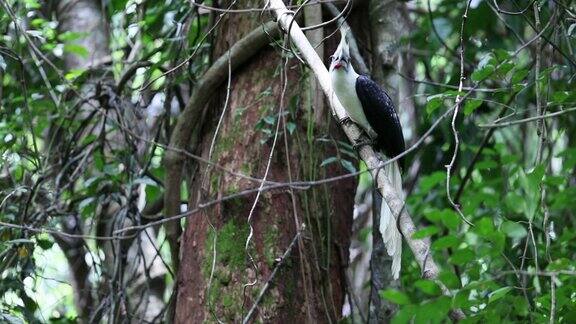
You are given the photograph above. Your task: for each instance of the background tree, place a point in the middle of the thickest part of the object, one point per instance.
(187, 165)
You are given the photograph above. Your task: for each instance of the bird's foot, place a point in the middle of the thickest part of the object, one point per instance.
(362, 142)
(345, 120)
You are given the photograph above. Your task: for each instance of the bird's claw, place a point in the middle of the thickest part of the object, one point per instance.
(345, 120)
(361, 142)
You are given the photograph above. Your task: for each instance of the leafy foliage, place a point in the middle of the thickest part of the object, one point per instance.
(516, 184)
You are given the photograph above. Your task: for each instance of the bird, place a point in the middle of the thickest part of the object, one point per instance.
(371, 108)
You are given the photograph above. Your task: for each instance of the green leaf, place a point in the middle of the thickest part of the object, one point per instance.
(73, 74)
(450, 219)
(482, 73)
(446, 216)
(501, 54)
(44, 243)
(291, 127)
(428, 287)
(87, 206)
(76, 49)
(560, 96)
(449, 279)
(471, 105)
(498, 293)
(518, 87)
(514, 230)
(433, 103)
(521, 306)
(329, 160)
(505, 68)
(404, 315)
(560, 264)
(486, 165)
(433, 215)
(461, 257)
(432, 180)
(32, 4)
(445, 242)
(69, 36)
(485, 68)
(536, 175)
(514, 202)
(434, 311)
(425, 232)
(348, 166)
(484, 227)
(270, 120)
(453, 93)
(519, 75)
(395, 296)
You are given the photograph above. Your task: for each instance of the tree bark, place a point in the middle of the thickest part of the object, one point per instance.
(309, 285)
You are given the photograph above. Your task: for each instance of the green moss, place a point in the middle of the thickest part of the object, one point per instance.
(228, 139)
(225, 295)
(214, 180)
(229, 246)
(270, 242)
(233, 188)
(227, 301)
(246, 168)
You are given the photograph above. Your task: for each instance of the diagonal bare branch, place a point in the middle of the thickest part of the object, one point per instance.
(419, 247)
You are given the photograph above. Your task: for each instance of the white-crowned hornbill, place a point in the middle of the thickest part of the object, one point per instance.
(369, 106)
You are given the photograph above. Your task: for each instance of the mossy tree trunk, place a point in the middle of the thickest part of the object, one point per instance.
(309, 285)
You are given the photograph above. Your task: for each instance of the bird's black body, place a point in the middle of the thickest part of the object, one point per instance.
(382, 117)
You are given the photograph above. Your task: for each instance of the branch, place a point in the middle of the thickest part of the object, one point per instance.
(459, 101)
(527, 120)
(75, 251)
(419, 247)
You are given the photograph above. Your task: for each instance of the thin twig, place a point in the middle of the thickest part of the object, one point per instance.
(459, 101)
(528, 120)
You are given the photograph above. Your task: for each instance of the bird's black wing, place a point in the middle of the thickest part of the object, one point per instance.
(380, 112)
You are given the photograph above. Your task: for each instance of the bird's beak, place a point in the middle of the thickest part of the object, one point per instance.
(340, 63)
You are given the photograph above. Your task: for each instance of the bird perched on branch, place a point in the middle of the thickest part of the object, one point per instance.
(369, 106)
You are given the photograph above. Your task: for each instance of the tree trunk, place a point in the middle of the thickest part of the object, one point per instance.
(79, 17)
(389, 22)
(309, 284)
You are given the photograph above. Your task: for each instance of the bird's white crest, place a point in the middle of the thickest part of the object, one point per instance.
(342, 53)
(343, 49)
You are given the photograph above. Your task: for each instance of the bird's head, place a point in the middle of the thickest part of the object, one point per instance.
(341, 57)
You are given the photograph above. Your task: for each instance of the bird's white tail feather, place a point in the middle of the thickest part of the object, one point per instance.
(388, 228)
